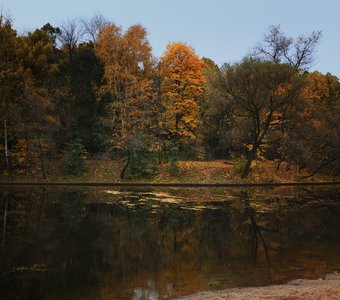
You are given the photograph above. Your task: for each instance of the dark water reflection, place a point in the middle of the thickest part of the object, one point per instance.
(97, 243)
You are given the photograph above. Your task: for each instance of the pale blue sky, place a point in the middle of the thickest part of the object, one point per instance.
(223, 30)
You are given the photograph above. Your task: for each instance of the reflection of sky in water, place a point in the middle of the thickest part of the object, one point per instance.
(261, 201)
(154, 200)
(130, 200)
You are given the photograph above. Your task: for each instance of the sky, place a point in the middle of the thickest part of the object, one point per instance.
(223, 30)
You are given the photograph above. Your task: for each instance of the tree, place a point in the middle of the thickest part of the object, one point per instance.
(69, 37)
(83, 76)
(298, 53)
(182, 75)
(262, 94)
(313, 143)
(91, 27)
(128, 70)
(39, 122)
(215, 113)
(53, 32)
(78, 105)
(10, 82)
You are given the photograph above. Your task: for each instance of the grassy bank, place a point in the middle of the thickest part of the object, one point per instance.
(216, 171)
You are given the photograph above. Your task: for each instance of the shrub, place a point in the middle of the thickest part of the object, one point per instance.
(239, 165)
(142, 163)
(73, 162)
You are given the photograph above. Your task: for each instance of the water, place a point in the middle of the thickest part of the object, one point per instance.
(150, 244)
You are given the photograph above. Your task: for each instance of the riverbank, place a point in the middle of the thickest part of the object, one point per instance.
(189, 172)
(323, 289)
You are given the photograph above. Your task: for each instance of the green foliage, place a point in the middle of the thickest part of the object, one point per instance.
(239, 163)
(74, 164)
(214, 283)
(85, 74)
(174, 168)
(201, 153)
(139, 159)
(172, 156)
(142, 163)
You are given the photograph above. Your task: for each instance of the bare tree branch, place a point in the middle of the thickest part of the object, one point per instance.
(298, 53)
(70, 35)
(91, 27)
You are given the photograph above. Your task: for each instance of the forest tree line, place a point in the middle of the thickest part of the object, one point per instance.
(90, 87)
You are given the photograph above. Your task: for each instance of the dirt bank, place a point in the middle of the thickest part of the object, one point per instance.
(325, 289)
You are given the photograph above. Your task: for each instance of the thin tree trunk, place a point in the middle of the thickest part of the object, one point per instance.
(160, 157)
(279, 165)
(122, 173)
(247, 168)
(6, 139)
(6, 145)
(41, 157)
(27, 152)
(251, 157)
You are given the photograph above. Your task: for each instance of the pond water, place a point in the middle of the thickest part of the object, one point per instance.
(161, 243)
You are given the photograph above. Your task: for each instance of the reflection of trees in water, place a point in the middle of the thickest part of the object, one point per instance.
(282, 226)
(81, 239)
(256, 230)
(4, 226)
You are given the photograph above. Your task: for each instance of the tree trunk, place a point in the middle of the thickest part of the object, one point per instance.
(250, 213)
(41, 158)
(6, 139)
(122, 173)
(6, 145)
(27, 152)
(251, 157)
(247, 168)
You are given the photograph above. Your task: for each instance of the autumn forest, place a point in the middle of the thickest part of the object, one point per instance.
(90, 90)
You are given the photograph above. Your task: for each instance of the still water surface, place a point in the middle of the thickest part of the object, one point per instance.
(160, 243)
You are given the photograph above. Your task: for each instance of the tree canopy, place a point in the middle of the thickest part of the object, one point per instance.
(88, 84)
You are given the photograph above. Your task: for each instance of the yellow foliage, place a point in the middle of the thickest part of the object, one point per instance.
(127, 61)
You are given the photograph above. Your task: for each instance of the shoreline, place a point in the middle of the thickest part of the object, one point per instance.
(323, 288)
(219, 173)
(159, 184)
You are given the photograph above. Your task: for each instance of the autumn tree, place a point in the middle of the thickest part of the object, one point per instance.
(10, 78)
(262, 94)
(182, 80)
(312, 143)
(39, 122)
(128, 67)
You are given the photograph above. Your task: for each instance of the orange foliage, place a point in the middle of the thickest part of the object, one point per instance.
(317, 93)
(182, 84)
